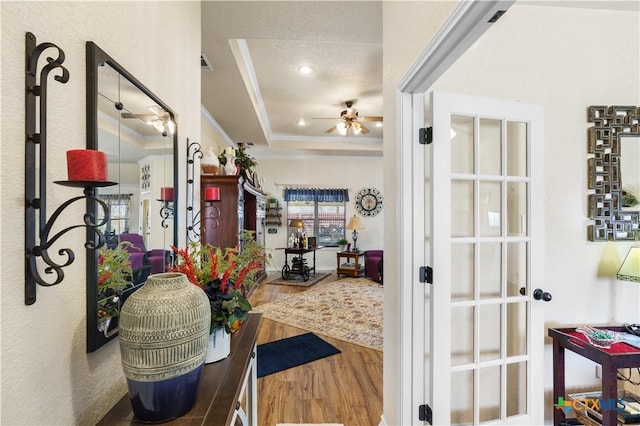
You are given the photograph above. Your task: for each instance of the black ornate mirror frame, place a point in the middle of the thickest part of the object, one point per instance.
(611, 124)
(95, 57)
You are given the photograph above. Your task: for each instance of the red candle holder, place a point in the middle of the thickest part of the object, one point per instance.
(166, 194)
(211, 194)
(86, 165)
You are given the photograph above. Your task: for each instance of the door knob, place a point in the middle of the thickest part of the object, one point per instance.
(539, 294)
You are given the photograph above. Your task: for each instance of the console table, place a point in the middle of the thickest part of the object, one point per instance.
(225, 386)
(351, 269)
(618, 356)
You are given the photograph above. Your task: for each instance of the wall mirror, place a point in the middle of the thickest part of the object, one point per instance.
(138, 133)
(614, 164)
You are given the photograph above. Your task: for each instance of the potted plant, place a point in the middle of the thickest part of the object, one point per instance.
(243, 160)
(342, 242)
(114, 274)
(273, 202)
(226, 277)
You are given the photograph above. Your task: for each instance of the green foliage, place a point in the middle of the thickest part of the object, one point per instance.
(114, 274)
(243, 159)
(225, 276)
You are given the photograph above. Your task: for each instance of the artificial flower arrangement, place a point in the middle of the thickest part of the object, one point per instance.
(225, 277)
(114, 274)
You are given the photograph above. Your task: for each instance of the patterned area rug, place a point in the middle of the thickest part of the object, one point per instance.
(297, 280)
(349, 309)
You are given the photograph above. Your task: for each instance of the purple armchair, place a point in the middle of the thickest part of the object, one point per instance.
(139, 256)
(373, 265)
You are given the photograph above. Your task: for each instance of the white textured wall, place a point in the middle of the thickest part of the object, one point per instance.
(47, 376)
(407, 28)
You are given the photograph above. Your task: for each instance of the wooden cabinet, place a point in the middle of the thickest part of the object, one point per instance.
(241, 206)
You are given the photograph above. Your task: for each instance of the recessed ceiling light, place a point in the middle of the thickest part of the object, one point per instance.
(379, 124)
(304, 69)
(301, 122)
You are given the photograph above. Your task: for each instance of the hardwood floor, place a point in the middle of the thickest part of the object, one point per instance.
(344, 388)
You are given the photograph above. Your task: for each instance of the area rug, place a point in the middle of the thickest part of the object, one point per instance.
(297, 279)
(349, 309)
(291, 352)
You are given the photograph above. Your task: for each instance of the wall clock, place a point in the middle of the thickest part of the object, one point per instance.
(369, 202)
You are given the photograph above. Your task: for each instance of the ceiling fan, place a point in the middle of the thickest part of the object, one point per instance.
(350, 121)
(159, 119)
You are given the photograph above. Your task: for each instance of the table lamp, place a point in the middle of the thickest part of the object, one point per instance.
(630, 269)
(355, 224)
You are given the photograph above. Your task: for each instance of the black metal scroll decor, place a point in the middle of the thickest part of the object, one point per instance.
(610, 221)
(36, 178)
(193, 218)
(193, 151)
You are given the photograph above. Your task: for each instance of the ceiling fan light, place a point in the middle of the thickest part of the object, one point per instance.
(158, 125)
(172, 127)
(342, 128)
(301, 122)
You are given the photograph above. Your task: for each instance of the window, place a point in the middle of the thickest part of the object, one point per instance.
(119, 206)
(322, 211)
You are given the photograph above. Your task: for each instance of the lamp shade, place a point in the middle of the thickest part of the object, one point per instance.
(355, 224)
(630, 269)
(296, 223)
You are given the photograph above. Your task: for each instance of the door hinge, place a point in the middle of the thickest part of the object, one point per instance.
(425, 136)
(425, 414)
(426, 274)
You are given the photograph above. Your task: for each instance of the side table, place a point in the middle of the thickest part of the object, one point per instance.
(620, 355)
(354, 269)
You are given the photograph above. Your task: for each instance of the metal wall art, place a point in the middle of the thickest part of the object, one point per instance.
(40, 266)
(606, 206)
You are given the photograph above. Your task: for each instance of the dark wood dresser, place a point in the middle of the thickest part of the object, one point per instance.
(227, 394)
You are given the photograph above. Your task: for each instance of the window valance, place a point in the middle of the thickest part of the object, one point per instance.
(327, 195)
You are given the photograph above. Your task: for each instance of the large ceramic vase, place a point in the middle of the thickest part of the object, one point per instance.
(219, 346)
(164, 332)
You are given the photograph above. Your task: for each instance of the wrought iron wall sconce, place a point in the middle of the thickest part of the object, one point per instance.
(166, 211)
(37, 230)
(209, 197)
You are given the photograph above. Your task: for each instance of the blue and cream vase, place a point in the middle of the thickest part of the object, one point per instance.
(164, 333)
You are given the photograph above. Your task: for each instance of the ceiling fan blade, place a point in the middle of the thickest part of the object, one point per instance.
(145, 117)
(325, 118)
(363, 129)
(371, 118)
(157, 110)
(331, 129)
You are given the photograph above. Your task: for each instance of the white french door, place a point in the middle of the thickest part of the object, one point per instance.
(484, 329)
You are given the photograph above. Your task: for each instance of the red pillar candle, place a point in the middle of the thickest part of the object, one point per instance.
(86, 165)
(166, 194)
(212, 194)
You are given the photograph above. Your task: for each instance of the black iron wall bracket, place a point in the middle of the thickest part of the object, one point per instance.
(36, 178)
(193, 218)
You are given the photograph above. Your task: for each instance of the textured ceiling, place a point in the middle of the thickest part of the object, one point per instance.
(255, 92)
